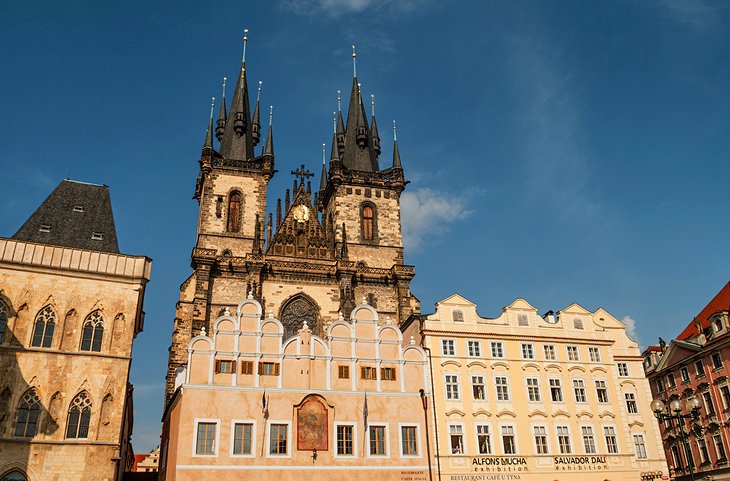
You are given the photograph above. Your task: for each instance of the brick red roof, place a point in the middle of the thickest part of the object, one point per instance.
(653, 349)
(138, 458)
(721, 302)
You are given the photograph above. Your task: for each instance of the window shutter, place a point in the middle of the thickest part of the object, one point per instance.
(261, 368)
(217, 366)
(276, 369)
(362, 373)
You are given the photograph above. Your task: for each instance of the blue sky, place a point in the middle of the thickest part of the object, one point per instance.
(557, 151)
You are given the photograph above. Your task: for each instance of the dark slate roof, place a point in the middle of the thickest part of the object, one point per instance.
(74, 212)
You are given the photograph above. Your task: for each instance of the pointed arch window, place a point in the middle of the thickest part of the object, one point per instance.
(367, 221)
(93, 332)
(29, 409)
(234, 212)
(79, 417)
(45, 323)
(3, 319)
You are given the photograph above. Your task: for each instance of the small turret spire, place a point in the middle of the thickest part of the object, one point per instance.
(209, 131)
(256, 121)
(269, 147)
(396, 154)
(340, 128)
(245, 41)
(323, 177)
(374, 136)
(354, 62)
(222, 115)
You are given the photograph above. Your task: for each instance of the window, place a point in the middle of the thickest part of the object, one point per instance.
(345, 440)
(502, 388)
(278, 439)
(540, 434)
(725, 393)
(573, 353)
(719, 447)
(3, 319)
(595, 354)
(448, 347)
(234, 212)
(716, 360)
(368, 222)
(671, 382)
(477, 388)
(408, 443)
(684, 373)
(484, 439)
(368, 372)
(452, 386)
(709, 405)
(564, 440)
(528, 352)
(639, 446)
(343, 372)
(93, 332)
(79, 417)
(268, 369)
(97, 236)
(533, 389)
(508, 440)
(45, 322)
(206, 437)
(377, 440)
(456, 438)
(556, 390)
(78, 208)
(522, 320)
(497, 349)
(589, 442)
(246, 367)
(45, 228)
(704, 453)
(660, 385)
(676, 457)
(579, 390)
(717, 324)
(601, 391)
(609, 434)
(457, 315)
(242, 437)
(699, 368)
(387, 373)
(475, 348)
(578, 323)
(623, 369)
(28, 411)
(549, 351)
(222, 366)
(631, 406)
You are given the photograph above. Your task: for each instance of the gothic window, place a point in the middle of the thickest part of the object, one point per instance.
(295, 314)
(79, 417)
(45, 322)
(368, 222)
(26, 423)
(3, 319)
(234, 212)
(93, 332)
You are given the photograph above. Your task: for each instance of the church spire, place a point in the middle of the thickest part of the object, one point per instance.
(256, 121)
(221, 124)
(396, 154)
(323, 178)
(374, 137)
(269, 147)
(237, 140)
(208, 144)
(358, 153)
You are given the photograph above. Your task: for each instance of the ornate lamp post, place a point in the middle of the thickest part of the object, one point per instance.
(676, 406)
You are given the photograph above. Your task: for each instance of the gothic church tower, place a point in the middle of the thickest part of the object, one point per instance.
(314, 259)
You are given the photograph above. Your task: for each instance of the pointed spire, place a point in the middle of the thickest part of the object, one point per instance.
(221, 124)
(256, 121)
(374, 137)
(396, 154)
(237, 142)
(209, 131)
(340, 127)
(269, 147)
(323, 178)
(358, 153)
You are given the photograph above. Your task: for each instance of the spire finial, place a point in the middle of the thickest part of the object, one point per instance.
(395, 136)
(258, 95)
(354, 63)
(334, 122)
(323, 150)
(212, 103)
(224, 87)
(245, 41)
(271, 115)
(339, 98)
(372, 105)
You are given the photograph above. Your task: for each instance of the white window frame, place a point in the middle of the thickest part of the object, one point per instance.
(464, 448)
(682, 371)
(496, 390)
(216, 447)
(622, 372)
(450, 342)
(418, 440)
(712, 360)
(594, 353)
(552, 349)
(458, 387)
(528, 351)
(547, 438)
(570, 439)
(387, 440)
(476, 343)
(492, 345)
(233, 437)
(560, 387)
(484, 386)
(585, 392)
(608, 394)
(626, 400)
(643, 443)
(536, 386)
(615, 435)
(490, 433)
(514, 437)
(267, 446)
(593, 435)
(354, 440)
(577, 353)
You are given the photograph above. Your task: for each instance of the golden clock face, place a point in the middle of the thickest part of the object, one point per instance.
(301, 213)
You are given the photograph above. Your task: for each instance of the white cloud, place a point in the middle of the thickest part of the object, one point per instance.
(336, 8)
(427, 212)
(698, 14)
(630, 324)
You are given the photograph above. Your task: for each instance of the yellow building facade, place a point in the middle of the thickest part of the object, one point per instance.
(530, 397)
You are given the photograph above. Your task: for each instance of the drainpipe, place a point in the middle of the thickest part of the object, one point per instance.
(435, 423)
(424, 401)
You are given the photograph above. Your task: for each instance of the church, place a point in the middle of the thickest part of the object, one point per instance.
(286, 351)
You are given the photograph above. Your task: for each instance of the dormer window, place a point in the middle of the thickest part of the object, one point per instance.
(717, 324)
(78, 208)
(97, 236)
(45, 228)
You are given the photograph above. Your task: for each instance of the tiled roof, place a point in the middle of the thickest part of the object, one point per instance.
(75, 214)
(721, 302)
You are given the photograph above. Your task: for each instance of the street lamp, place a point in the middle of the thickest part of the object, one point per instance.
(676, 406)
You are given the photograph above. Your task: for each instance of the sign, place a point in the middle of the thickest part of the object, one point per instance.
(499, 464)
(579, 463)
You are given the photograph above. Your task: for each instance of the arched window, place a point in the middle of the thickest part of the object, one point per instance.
(45, 322)
(368, 222)
(234, 212)
(79, 417)
(295, 313)
(93, 332)
(3, 319)
(29, 409)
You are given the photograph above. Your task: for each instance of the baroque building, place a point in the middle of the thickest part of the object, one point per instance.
(316, 253)
(70, 308)
(524, 396)
(695, 365)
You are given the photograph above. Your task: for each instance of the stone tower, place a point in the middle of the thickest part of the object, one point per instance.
(318, 255)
